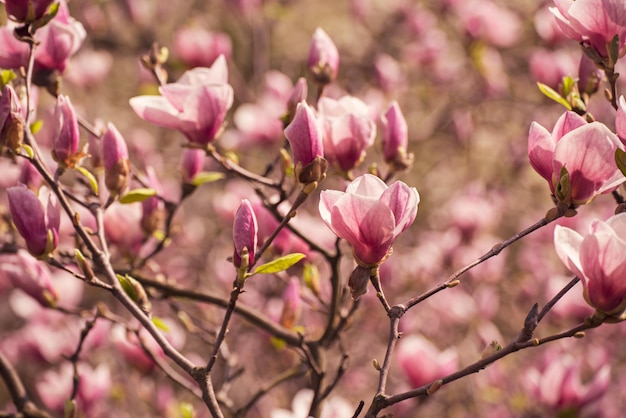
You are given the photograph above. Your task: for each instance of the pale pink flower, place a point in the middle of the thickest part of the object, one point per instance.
(595, 22)
(348, 131)
(486, 20)
(395, 137)
(422, 362)
(369, 215)
(196, 104)
(586, 150)
(599, 259)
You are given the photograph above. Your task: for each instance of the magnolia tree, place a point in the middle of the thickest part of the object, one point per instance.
(222, 230)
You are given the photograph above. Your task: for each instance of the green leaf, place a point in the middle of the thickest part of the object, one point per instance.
(620, 160)
(127, 285)
(29, 151)
(186, 410)
(206, 177)
(280, 264)
(90, 177)
(5, 77)
(137, 195)
(568, 84)
(71, 411)
(160, 324)
(36, 126)
(550, 93)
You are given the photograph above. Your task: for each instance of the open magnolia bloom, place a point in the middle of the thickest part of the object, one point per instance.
(369, 215)
(196, 104)
(585, 150)
(599, 260)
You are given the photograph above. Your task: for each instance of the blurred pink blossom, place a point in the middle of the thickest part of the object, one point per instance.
(422, 362)
(89, 67)
(490, 22)
(27, 273)
(549, 67)
(558, 386)
(198, 47)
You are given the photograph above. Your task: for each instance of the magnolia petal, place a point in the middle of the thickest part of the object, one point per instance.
(567, 243)
(157, 110)
(541, 150)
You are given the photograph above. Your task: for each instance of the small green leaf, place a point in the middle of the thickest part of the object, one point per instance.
(620, 160)
(127, 285)
(90, 177)
(206, 177)
(5, 77)
(71, 411)
(137, 195)
(36, 126)
(280, 264)
(160, 324)
(186, 410)
(29, 151)
(550, 93)
(568, 84)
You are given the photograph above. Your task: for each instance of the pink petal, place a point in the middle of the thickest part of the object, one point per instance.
(541, 150)
(157, 110)
(567, 243)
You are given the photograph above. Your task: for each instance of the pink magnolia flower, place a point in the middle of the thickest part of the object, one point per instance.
(586, 150)
(27, 273)
(348, 131)
(36, 219)
(245, 233)
(196, 104)
(323, 59)
(198, 47)
(422, 362)
(593, 21)
(369, 215)
(599, 260)
(559, 385)
(192, 163)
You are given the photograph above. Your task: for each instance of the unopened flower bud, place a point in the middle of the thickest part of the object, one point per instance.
(66, 137)
(11, 119)
(323, 60)
(36, 219)
(305, 137)
(27, 10)
(394, 134)
(115, 158)
(357, 283)
(245, 231)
